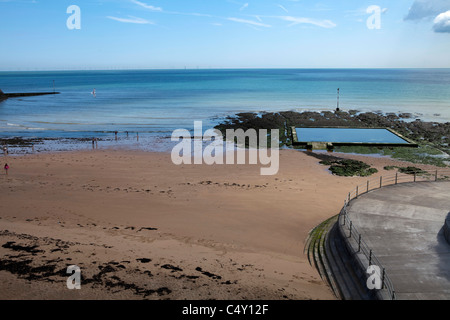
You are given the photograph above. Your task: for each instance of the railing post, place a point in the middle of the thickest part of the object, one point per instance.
(414, 177)
(396, 178)
(435, 176)
(357, 192)
(393, 295)
(381, 182)
(370, 257)
(359, 243)
(382, 278)
(351, 225)
(367, 186)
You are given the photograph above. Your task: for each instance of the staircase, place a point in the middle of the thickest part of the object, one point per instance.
(327, 252)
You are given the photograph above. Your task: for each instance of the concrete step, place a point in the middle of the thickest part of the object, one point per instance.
(339, 271)
(350, 277)
(327, 252)
(316, 250)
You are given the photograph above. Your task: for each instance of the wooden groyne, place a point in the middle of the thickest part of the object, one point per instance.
(4, 96)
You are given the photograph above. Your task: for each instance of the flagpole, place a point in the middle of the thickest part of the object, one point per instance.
(337, 109)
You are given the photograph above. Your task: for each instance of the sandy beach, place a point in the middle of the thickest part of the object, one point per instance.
(140, 227)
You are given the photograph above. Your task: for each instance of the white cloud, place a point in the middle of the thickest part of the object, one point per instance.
(159, 9)
(250, 22)
(299, 20)
(442, 23)
(245, 6)
(283, 8)
(362, 12)
(146, 6)
(131, 19)
(422, 9)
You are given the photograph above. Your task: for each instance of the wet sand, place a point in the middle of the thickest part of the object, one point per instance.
(140, 227)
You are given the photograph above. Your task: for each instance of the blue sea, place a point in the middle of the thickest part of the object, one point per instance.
(155, 102)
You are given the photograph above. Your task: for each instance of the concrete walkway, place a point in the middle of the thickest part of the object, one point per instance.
(403, 224)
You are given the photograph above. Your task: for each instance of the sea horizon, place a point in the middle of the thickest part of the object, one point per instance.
(222, 68)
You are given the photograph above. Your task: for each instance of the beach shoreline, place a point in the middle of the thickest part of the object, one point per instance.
(140, 227)
(426, 133)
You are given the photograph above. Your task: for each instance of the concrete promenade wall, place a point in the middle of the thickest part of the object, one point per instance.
(447, 228)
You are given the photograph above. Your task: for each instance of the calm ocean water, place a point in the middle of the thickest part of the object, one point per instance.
(155, 102)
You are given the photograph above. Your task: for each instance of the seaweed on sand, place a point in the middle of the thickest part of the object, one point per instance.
(350, 168)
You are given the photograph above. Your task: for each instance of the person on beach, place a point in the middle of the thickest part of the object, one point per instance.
(6, 168)
(115, 133)
(93, 143)
(5, 150)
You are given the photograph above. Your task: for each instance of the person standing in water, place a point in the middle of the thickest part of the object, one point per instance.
(6, 168)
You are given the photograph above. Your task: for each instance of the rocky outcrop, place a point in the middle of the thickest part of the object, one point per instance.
(435, 133)
(4, 96)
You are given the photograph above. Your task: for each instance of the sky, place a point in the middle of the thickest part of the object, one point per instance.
(178, 34)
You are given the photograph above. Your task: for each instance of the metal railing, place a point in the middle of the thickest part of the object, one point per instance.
(356, 243)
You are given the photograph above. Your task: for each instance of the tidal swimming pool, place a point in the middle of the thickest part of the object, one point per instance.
(349, 135)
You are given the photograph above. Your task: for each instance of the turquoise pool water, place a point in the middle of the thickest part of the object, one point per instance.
(344, 135)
